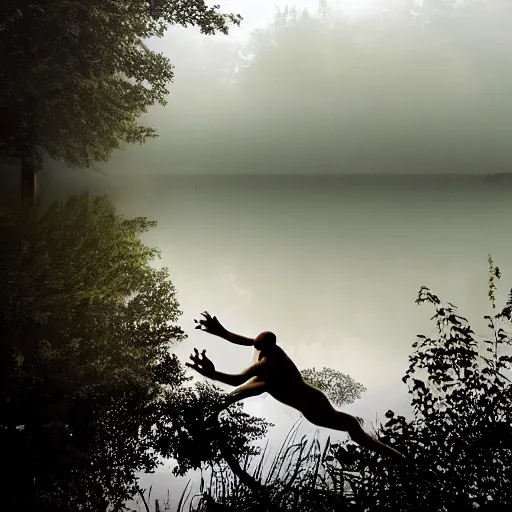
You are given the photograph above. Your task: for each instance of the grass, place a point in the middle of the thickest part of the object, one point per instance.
(303, 475)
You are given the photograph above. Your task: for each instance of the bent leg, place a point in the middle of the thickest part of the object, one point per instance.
(351, 425)
(320, 412)
(253, 387)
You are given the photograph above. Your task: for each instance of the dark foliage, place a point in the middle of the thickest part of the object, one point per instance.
(458, 441)
(76, 76)
(90, 393)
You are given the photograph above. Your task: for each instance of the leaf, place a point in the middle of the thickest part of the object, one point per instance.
(77, 77)
(340, 388)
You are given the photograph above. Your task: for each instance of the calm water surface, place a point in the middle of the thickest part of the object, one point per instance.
(331, 264)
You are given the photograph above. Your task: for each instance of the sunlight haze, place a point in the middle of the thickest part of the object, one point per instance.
(371, 87)
(273, 182)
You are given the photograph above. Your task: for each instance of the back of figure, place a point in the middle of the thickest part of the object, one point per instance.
(277, 374)
(283, 378)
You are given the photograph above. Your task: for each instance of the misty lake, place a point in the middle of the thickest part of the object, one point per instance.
(331, 264)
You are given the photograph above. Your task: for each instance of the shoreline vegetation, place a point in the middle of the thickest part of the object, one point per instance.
(129, 405)
(459, 439)
(91, 394)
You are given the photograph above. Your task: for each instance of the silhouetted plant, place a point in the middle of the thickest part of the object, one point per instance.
(303, 475)
(89, 392)
(460, 434)
(458, 440)
(189, 433)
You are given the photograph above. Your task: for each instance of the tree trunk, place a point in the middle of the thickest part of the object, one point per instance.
(29, 182)
(249, 481)
(30, 158)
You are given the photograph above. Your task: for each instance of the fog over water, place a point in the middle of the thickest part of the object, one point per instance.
(395, 87)
(271, 183)
(332, 265)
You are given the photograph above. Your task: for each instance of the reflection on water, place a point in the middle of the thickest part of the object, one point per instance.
(331, 264)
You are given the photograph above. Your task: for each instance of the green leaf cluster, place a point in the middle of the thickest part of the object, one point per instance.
(90, 391)
(76, 76)
(339, 387)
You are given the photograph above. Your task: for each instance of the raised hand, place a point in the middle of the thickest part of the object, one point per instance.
(209, 324)
(201, 364)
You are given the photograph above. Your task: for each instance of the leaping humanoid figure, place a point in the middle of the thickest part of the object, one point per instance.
(276, 374)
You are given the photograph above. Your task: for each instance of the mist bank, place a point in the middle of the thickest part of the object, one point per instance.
(411, 90)
(58, 182)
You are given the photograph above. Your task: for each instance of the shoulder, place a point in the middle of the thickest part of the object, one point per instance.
(277, 352)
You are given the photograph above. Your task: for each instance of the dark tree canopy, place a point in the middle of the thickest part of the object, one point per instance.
(85, 326)
(460, 434)
(76, 76)
(90, 393)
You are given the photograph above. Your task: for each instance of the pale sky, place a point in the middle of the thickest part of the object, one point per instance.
(380, 87)
(258, 13)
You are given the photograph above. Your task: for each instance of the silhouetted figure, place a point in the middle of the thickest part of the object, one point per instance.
(276, 374)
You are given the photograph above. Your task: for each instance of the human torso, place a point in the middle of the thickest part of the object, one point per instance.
(283, 379)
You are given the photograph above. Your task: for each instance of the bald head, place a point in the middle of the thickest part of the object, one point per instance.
(265, 340)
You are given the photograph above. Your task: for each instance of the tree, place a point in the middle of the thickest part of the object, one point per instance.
(340, 388)
(77, 76)
(458, 440)
(460, 434)
(89, 391)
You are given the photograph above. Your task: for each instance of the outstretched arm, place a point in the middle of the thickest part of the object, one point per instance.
(213, 326)
(231, 379)
(203, 365)
(237, 339)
